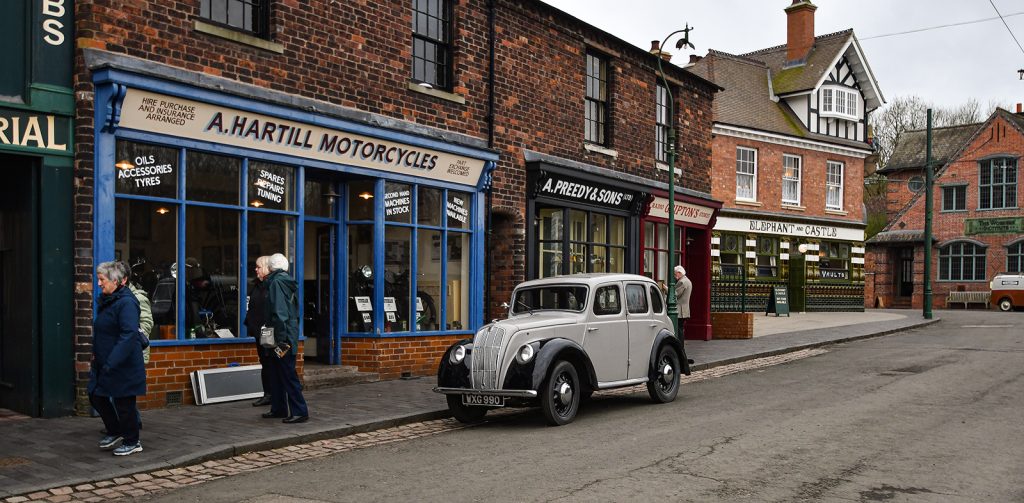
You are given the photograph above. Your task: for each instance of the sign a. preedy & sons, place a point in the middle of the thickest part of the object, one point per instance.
(163, 114)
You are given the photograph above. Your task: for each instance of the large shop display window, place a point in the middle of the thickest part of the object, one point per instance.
(656, 262)
(593, 242)
(426, 263)
(201, 260)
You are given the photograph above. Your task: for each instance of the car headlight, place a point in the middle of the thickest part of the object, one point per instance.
(525, 354)
(458, 354)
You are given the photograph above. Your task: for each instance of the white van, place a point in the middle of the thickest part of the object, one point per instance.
(1007, 291)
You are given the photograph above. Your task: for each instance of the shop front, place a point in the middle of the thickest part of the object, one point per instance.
(382, 227)
(821, 263)
(581, 219)
(36, 204)
(694, 218)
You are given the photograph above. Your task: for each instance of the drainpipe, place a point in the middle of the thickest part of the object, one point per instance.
(490, 144)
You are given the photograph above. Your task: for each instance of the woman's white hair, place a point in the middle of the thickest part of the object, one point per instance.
(278, 262)
(114, 271)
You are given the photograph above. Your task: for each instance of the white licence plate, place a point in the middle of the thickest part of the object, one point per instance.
(484, 400)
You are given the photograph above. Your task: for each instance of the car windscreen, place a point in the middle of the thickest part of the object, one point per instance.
(556, 297)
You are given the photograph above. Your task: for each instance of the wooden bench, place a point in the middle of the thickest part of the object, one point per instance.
(966, 298)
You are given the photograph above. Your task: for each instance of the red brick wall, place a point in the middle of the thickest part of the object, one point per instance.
(732, 325)
(389, 357)
(169, 368)
(998, 138)
(769, 179)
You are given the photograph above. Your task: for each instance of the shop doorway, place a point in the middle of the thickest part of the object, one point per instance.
(797, 282)
(19, 331)
(320, 269)
(318, 291)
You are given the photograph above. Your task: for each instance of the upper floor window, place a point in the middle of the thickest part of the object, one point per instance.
(746, 174)
(997, 187)
(839, 103)
(954, 198)
(790, 179)
(663, 122)
(251, 16)
(1015, 257)
(834, 185)
(597, 99)
(431, 42)
(962, 261)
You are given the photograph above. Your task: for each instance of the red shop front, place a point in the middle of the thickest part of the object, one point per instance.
(694, 218)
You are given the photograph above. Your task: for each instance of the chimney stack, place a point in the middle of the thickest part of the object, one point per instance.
(1019, 108)
(799, 30)
(656, 50)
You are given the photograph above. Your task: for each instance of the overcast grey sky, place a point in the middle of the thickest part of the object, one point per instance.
(945, 66)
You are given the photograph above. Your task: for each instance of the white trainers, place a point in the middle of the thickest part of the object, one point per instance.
(127, 449)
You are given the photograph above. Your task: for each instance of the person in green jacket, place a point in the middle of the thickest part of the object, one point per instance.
(286, 400)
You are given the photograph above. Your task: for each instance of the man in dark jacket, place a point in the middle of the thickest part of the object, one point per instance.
(255, 320)
(286, 400)
(118, 374)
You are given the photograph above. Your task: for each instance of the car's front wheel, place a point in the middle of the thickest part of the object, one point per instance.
(560, 394)
(664, 386)
(1005, 305)
(465, 413)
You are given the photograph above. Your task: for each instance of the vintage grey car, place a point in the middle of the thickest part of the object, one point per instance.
(566, 337)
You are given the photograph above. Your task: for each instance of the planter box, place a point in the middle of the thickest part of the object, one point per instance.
(732, 325)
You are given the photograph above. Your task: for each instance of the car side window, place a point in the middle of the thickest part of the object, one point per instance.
(656, 304)
(607, 300)
(636, 299)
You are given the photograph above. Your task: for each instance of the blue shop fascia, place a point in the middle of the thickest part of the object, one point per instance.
(197, 176)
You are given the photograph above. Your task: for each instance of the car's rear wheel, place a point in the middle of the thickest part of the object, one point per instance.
(1005, 304)
(465, 413)
(664, 386)
(560, 394)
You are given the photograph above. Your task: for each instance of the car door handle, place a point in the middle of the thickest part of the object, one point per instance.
(591, 329)
(653, 325)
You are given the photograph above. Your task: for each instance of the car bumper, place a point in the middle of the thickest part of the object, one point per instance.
(512, 393)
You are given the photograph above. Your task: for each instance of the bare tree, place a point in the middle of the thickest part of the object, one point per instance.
(907, 113)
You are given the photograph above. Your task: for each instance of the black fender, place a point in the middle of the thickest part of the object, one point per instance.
(665, 337)
(450, 375)
(562, 349)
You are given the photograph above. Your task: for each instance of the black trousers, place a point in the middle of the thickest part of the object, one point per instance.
(267, 371)
(120, 417)
(286, 395)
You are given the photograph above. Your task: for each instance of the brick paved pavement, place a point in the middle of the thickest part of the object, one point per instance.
(49, 459)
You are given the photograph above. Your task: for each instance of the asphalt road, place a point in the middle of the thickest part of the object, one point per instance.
(933, 414)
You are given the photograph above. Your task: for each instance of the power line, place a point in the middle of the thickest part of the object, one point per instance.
(930, 28)
(1007, 27)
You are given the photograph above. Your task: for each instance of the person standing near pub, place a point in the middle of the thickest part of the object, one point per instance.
(286, 400)
(683, 289)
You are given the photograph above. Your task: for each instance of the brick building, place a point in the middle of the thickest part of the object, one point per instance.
(789, 143)
(977, 220)
(413, 159)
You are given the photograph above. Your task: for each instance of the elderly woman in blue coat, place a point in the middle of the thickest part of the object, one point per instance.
(118, 374)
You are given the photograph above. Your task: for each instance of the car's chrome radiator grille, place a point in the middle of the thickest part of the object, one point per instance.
(486, 354)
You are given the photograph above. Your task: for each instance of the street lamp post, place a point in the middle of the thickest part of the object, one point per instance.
(670, 149)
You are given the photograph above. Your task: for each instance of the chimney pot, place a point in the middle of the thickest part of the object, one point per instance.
(695, 58)
(655, 46)
(799, 30)
(1020, 108)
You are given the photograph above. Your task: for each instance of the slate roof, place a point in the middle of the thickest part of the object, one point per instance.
(747, 98)
(911, 151)
(804, 77)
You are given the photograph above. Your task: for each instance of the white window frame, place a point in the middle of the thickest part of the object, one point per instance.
(841, 103)
(662, 123)
(834, 183)
(753, 174)
(792, 179)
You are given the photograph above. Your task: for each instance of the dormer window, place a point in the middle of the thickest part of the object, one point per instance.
(839, 103)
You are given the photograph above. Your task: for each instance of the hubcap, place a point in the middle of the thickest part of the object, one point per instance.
(667, 373)
(563, 393)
